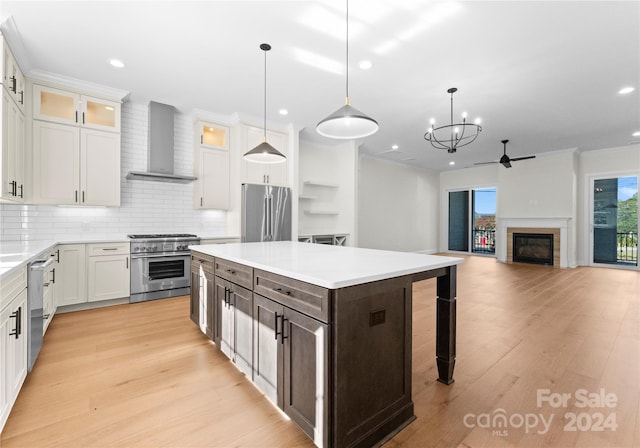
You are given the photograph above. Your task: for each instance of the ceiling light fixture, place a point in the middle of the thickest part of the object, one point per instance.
(394, 146)
(365, 65)
(347, 122)
(264, 152)
(626, 90)
(283, 112)
(455, 135)
(636, 134)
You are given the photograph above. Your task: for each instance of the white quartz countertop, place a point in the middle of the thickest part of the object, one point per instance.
(326, 266)
(14, 254)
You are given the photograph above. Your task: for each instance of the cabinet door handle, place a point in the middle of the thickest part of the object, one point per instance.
(46, 316)
(13, 84)
(58, 256)
(82, 117)
(283, 337)
(76, 195)
(201, 139)
(83, 196)
(276, 329)
(21, 97)
(53, 272)
(109, 248)
(127, 262)
(200, 202)
(76, 116)
(230, 271)
(281, 291)
(15, 315)
(21, 191)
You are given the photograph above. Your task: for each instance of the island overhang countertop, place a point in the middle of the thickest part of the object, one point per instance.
(327, 266)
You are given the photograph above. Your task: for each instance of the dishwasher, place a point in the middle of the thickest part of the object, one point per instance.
(37, 284)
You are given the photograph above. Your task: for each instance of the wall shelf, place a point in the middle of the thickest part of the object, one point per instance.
(307, 197)
(321, 212)
(320, 183)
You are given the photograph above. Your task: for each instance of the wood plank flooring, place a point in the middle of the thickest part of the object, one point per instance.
(143, 375)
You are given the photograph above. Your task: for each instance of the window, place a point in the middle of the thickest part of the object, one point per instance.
(472, 224)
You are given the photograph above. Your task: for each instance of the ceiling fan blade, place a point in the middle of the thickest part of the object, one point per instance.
(486, 163)
(522, 158)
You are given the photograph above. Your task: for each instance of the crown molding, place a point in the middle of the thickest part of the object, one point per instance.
(87, 87)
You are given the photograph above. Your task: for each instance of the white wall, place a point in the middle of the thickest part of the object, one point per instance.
(333, 165)
(612, 162)
(146, 207)
(397, 207)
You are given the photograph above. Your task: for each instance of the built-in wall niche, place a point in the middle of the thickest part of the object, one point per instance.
(319, 198)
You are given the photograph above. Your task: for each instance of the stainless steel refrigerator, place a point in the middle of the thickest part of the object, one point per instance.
(266, 213)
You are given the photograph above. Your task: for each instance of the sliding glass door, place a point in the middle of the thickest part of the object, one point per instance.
(615, 221)
(472, 220)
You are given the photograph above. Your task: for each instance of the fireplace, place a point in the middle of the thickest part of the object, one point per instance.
(534, 248)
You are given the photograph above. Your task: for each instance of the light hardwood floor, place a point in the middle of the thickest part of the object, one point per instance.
(144, 376)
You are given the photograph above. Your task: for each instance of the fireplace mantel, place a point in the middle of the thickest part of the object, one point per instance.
(561, 223)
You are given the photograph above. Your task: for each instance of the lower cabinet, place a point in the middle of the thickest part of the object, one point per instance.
(202, 294)
(234, 323)
(70, 287)
(13, 340)
(291, 363)
(108, 271)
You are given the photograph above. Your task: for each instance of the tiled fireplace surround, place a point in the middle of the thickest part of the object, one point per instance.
(506, 227)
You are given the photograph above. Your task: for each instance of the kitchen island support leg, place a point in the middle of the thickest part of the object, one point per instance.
(446, 325)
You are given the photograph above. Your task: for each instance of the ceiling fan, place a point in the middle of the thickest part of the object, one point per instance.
(505, 160)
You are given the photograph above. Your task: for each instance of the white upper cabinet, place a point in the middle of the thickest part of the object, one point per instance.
(265, 173)
(13, 147)
(61, 106)
(12, 77)
(12, 184)
(76, 149)
(211, 167)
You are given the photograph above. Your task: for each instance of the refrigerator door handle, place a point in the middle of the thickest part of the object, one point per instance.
(270, 217)
(265, 228)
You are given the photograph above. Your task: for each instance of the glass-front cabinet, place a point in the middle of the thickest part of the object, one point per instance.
(65, 107)
(213, 136)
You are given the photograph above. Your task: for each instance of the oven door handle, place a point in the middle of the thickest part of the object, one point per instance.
(165, 255)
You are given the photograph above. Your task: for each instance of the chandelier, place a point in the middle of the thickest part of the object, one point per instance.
(454, 135)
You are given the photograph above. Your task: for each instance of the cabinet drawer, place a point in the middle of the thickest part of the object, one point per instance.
(205, 261)
(11, 286)
(107, 249)
(309, 299)
(237, 273)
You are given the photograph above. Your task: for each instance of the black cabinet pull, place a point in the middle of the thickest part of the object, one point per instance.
(276, 329)
(230, 271)
(14, 315)
(21, 97)
(76, 192)
(21, 191)
(53, 272)
(13, 84)
(76, 116)
(82, 117)
(58, 256)
(283, 337)
(83, 196)
(281, 291)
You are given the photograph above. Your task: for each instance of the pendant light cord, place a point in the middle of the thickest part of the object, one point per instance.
(347, 54)
(265, 97)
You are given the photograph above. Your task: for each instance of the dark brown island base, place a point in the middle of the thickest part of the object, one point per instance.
(324, 331)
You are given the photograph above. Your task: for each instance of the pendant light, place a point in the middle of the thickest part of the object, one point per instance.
(264, 152)
(347, 122)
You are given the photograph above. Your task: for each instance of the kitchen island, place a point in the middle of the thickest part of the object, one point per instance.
(324, 331)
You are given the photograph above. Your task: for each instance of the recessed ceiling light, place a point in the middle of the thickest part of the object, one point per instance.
(636, 134)
(452, 163)
(116, 63)
(626, 90)
(365, 65)
(283, 112)
(394, 146)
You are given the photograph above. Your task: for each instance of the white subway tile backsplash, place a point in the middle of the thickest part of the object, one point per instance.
(145, 207)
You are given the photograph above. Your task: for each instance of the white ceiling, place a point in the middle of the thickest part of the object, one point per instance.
(543, 74)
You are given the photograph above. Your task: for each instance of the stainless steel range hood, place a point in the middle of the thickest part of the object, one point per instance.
(160, 154)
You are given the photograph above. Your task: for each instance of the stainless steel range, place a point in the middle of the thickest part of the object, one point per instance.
(160, 265)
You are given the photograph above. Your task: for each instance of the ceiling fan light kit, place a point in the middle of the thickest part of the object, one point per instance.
(347, 122)
(264, 152)
(453, 135)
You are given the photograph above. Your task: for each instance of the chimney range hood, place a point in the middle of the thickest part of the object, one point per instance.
(160, 153)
